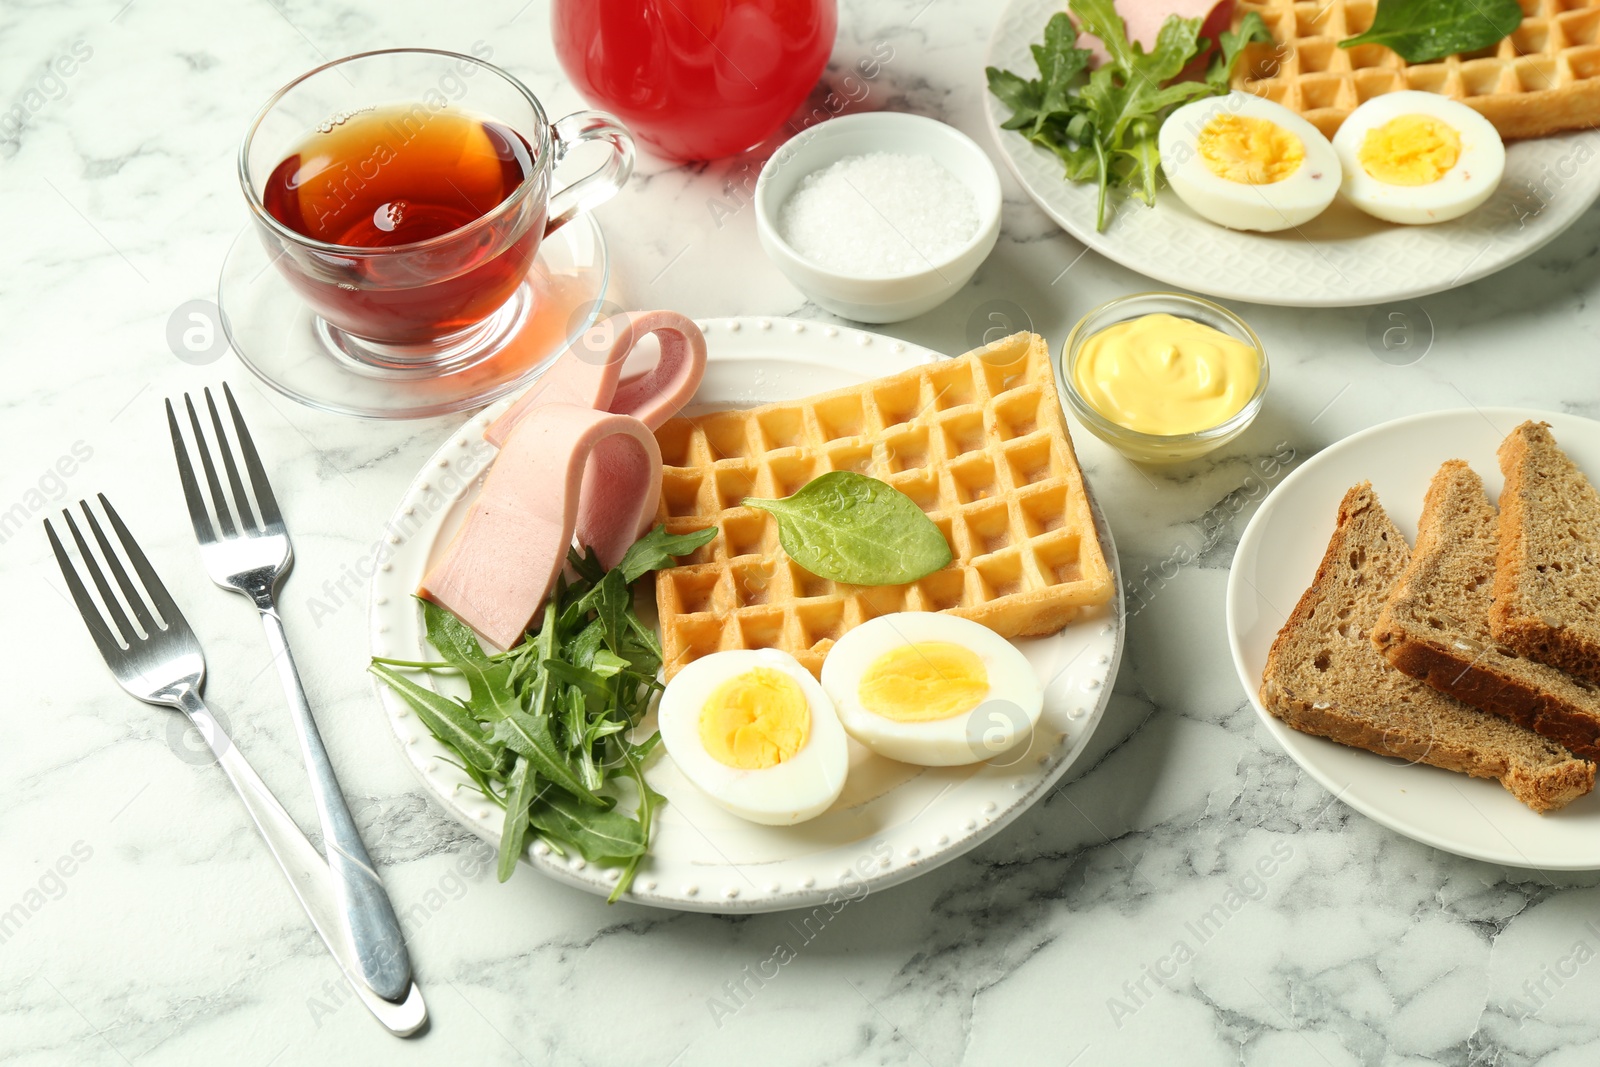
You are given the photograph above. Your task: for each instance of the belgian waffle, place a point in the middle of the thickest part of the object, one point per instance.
(978, 442)
(1543, 78)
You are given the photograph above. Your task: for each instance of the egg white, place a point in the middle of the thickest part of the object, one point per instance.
(1002, 720)
(1462, 188)
(800, 788)
(1296, 199)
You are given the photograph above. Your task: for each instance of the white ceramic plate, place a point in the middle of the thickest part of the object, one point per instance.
(894, 821)
(1342, 258)
(1276, 560)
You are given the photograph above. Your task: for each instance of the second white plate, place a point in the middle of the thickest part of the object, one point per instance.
(1276, 560)
(895, 820)
(1342, 258)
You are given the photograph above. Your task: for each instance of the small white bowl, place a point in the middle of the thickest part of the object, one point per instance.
(878, 299)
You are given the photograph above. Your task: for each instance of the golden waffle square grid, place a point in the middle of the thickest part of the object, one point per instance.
(1543, 78)
(978, 442)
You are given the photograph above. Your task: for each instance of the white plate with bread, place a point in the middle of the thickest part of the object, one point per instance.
(1360, 645)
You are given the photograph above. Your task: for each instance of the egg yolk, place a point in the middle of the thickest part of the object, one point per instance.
(1410, 150)
(756, 719)
(1249, 151)
(924, 682)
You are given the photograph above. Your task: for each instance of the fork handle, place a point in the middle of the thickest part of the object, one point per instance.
(303, 865)
(368, 914)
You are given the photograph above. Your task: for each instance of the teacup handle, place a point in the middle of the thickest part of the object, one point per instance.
(591, 190)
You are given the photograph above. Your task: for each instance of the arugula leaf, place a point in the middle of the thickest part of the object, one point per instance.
(514, 834)
(1024, 98)
(1230, 43)
(850, 528)
(649, 801)
(529, 736)
(1061, 64)
(1103, 124)
(445, 719)
(1425, 30)
(657, 549)
(610, 837)
(545, 732)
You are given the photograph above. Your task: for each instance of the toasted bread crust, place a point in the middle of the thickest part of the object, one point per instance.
(1514, 620)
(1522, 704)
(1457, 660)
(1541, 786)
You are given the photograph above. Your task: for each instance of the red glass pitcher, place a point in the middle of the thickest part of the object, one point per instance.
(695, 79)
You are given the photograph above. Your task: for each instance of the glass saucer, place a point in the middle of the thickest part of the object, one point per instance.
(286, 345)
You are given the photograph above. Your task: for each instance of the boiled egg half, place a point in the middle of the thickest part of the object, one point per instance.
(932, 689)
(1418, 157)
(754, 731)
(1243, 162)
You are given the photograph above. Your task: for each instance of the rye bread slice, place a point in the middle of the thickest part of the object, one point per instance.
(1435, 626)
(1324, 676)
(1547, 573)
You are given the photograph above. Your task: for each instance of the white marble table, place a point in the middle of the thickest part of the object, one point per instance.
(173, 940)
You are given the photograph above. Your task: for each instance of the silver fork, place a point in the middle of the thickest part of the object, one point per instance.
(251, 557)
(156, 658)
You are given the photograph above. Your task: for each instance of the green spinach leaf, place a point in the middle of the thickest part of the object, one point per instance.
(850, 528)
(1425, 30)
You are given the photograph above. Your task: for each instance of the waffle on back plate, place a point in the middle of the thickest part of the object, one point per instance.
(978, 442)
(1543, 78)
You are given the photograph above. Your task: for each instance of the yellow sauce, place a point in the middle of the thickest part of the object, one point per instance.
(1162, 374)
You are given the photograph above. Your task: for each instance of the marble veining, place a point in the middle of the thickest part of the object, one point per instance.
(1187, 895)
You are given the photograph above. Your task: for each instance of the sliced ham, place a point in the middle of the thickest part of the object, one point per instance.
(1142, 19)
(577, 459)
(562, 468)
(589, 374)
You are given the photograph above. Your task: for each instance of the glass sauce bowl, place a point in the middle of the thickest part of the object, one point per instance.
(1160, 448)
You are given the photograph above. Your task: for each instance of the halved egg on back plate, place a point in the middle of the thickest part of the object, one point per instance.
(1243, 162)
(754, 731)
(932, 689)
(1416, 157)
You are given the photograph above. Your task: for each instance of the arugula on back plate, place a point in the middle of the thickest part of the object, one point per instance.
(544, 731)
(1425, 30)
(1103, 123)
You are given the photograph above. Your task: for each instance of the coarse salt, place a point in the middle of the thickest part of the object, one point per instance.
(879, 214)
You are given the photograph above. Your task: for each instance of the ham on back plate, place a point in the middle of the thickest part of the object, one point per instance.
(577, 460)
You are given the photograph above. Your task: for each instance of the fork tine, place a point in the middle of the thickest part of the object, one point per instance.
(240, 501)
(191, 489)
(220, 502)
(107, 597)
(268, 504)
(136, 604)
(104, 640)
(147, 574)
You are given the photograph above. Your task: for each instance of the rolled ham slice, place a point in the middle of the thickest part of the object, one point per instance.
(562, 468)
(589, 375)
